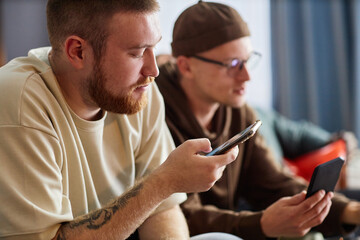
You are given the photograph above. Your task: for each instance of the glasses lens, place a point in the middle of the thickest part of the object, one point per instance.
(235, 63)
(253, 60)
(234, 66)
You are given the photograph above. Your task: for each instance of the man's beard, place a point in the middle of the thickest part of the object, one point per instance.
(123, 104)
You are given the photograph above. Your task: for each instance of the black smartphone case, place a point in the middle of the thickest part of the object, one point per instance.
(325, 176)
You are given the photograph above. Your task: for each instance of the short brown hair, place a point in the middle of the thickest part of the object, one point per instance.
(88, 19)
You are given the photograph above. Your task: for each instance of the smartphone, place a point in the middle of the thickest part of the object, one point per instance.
(238, 138)
(325, 176)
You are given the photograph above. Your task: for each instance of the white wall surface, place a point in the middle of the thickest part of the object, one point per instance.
(257, 14)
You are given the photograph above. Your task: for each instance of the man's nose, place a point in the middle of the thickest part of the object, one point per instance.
(243, 74)
(150, 67)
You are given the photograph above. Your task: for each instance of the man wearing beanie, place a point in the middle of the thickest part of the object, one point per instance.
(204, 97)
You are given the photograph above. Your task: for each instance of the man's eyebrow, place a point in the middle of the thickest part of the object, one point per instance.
(146, 45)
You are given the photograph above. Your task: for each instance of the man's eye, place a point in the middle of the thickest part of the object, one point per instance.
(137, 55)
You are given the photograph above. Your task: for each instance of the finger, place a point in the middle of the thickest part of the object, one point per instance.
(226, 158)
(220, 172)
(318, 209)
(321, 213)
(330, 195)
(310, 202)
(199, 145)
(296, 199)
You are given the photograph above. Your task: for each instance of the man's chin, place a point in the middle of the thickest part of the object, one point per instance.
(238, 104)
(136, 109)
(128, 107)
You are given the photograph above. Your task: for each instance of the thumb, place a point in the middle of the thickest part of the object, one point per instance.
(297, 199)
(198, 145)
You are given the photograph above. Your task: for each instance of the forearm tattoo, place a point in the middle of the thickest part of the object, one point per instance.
(100, 217)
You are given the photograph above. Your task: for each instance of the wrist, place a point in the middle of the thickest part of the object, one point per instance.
(264, 227)
(161, 183)
(351, 213)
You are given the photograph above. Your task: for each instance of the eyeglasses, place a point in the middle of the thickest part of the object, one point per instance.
(235, 64)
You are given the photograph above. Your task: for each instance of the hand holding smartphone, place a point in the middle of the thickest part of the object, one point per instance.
(325, 176)
(238, 138)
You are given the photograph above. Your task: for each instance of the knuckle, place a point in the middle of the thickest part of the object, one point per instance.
(318, 221)
(307, 205)
(303, 232)
(208, 186)
(212, 169)
(231, 156)
(297, 226)
(213, 179)
(317, 211)
(292, 224)
(207, 167)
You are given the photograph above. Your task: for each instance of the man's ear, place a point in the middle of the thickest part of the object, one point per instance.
(75, 51)
(184, 66)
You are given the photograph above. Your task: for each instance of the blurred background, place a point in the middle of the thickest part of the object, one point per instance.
(310, 67)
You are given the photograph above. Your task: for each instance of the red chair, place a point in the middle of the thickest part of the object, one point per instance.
(304, 165)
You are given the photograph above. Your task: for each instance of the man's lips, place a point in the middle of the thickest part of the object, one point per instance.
(142, 87)
(240, 91)
(145, 84)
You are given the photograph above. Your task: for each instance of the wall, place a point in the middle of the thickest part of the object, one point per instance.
(24, 27)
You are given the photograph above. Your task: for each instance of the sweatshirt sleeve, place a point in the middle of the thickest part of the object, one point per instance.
(272, 183)
(332, 224)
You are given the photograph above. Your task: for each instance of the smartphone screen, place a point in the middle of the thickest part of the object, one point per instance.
(238, 138)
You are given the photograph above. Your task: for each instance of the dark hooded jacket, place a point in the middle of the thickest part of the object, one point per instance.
(254, 176)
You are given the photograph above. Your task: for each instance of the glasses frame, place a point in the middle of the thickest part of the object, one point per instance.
(229, 65)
